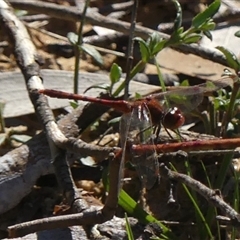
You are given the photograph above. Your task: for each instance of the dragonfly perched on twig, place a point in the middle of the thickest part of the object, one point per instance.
(140, 115)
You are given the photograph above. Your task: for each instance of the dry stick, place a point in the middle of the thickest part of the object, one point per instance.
(130, 49)
(209, 194)
(27, 59)
(94, 18)
(66, 183)
(91, 216)
(32, 18)
(116, 7)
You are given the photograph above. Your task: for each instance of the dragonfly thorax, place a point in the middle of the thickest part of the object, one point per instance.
(156, 110)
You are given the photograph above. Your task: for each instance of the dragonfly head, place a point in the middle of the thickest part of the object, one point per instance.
(173, 118)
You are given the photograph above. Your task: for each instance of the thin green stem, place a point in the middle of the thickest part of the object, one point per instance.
(235, 201)
(212, 119)
(2, 122)
(130, 48)
(77, 50)
(138, 68)
(212, 211)
(229, 113)
(160, 77)
(201, 221)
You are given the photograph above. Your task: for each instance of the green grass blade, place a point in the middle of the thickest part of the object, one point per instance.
(200, 219)
(133, 209)
(128, 228)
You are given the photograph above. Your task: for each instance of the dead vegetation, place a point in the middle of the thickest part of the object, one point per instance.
(29, 190)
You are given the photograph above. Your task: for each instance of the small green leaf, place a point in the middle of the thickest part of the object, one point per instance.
(22, 138)
(193, 38)
(154, 44)
(115, 73)
(114, 121)
(178, 19)
(104, 86)
(72, 38)
(3, 138)
(154, 39)
(237, 102)
(237, 34)
(159, 46)
(221, 104)
(185, 83)
(180, 30)
(90, 50)
(209, 25)
(137, 95)
(208, 34)
(144, 49)
(206, 14)
(73, 104)
(175, 38)
(231, 58)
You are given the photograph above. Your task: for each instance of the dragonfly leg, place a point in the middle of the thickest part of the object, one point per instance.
(176, 131)
(169, 134)
(157, 130)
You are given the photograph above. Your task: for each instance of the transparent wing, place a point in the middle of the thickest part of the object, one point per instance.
(188, 98)
(136, 128)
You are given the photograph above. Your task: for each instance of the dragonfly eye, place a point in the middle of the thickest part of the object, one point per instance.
(173, 119)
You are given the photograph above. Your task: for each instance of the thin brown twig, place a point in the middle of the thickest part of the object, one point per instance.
(210, 195)
(130, 48)
(116, 7)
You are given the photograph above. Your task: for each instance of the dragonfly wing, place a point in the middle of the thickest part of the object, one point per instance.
(136, 128)
(185, 100)
(124, 129)
(188, 98)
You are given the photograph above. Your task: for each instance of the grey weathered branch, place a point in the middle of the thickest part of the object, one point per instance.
(90, 216)
(212, 196)
(28, 61)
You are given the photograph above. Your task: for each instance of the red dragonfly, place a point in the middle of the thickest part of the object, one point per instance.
(140, 115)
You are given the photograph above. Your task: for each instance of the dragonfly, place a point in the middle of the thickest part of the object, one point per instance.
(141, 115)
